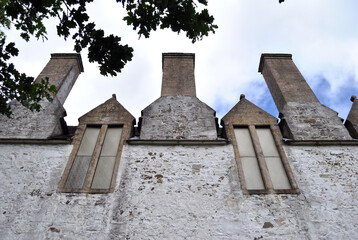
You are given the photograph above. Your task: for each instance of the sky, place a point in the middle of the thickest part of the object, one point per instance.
(321, 35)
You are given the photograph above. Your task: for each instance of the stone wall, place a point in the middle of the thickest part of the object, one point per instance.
(178, 118)
(25, 124)
(178, 192)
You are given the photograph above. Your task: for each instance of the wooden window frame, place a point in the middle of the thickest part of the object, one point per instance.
(94, 161)
(262, 163)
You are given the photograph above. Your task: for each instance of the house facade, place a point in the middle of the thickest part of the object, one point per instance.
(177, 173)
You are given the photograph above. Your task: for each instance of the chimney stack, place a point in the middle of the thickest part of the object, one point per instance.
(62, 71)
(284, 80)
(178, 115)
(178, 74)
(303, 117)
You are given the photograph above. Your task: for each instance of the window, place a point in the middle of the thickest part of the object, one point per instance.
(264, 165)
(92, 167)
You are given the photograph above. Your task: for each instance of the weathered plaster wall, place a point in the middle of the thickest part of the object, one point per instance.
(25, 124)
(178, 117)
(30, 206)
(193, 192)
(328, 180)
(314, 121)
(177, 192)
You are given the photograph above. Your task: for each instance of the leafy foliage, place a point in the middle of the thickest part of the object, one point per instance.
(145, 16)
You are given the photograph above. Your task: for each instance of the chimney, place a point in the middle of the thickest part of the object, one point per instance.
(284, 80)
(62, 71)
(178, 74)
(178, 115)
(352, 119)
(303, 117)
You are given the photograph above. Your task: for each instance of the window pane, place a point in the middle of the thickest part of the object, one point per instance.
(78, 172)
(88, 141)
(267, 142)
(111, 142)
(103, 175)
(252, 173)
(277, 173)
(244, 142)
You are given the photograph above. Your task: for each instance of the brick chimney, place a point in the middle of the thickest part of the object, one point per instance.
(303, 117)
(178, 74)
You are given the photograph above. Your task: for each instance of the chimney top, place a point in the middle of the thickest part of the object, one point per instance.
(272, 55)
(178, 74)
(70, 55)
(177, 54)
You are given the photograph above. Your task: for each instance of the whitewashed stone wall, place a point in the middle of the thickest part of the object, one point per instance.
(178, 118)
(25, 124)
(177, 192)
(30, 206)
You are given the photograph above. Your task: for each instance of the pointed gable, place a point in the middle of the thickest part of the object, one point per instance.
(109, 112)
(247, 113)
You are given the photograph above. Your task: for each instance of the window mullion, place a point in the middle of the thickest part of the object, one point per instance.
(95, 157)
(72, 159)
(284, 159)
(238, 160)
(261, 159)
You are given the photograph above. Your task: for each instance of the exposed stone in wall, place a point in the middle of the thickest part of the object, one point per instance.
(313, 121)
(33, 125)
(327, 177)
(177, 192)
(178, 117)
(304, 117)
(352, 119)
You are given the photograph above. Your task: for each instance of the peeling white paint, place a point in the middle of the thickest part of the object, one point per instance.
(178, 192)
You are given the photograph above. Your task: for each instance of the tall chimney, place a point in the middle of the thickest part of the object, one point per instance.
(178, 114)
(62, 71)
(284, 80)
(303, 117)
(178, 74)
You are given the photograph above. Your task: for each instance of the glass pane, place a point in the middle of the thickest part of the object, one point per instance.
(103, 175)
(277, 173)
(78, 172)
(252, 173)
(111, 142)
(267, 142)
(243, 138)
(88, 142)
